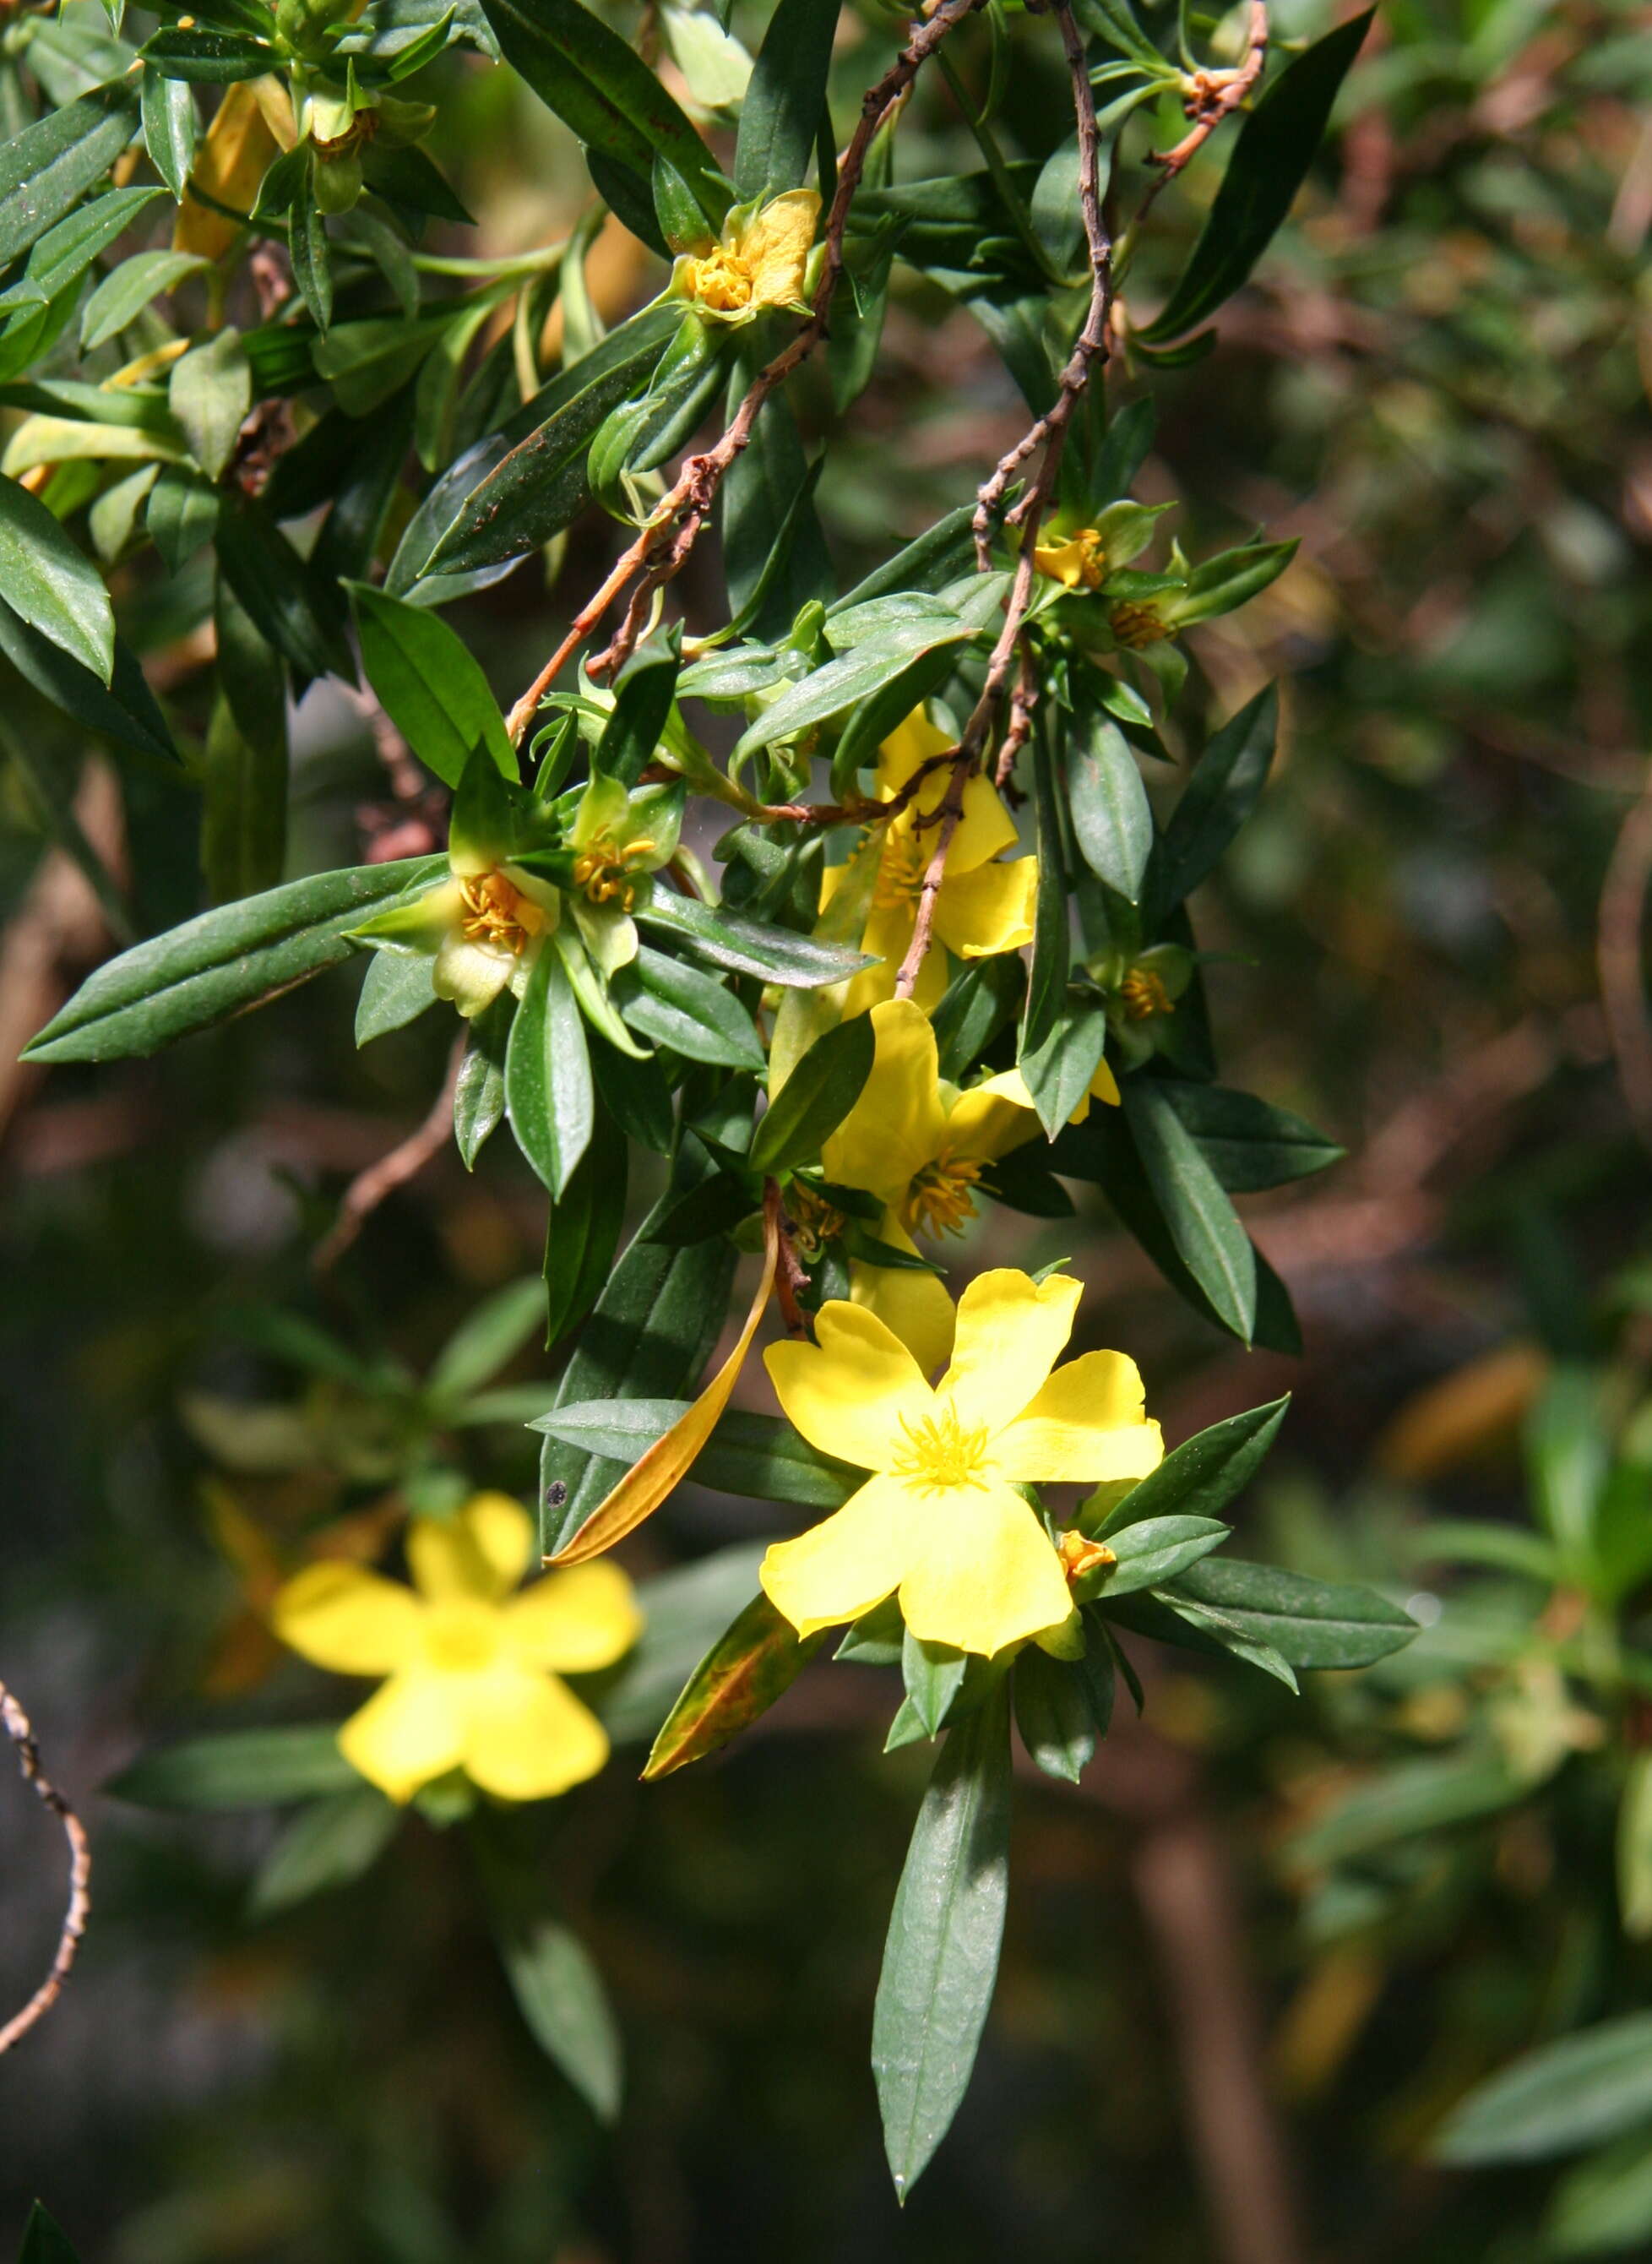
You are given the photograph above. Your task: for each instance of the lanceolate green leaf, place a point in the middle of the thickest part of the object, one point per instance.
(748, 1454)
(1407, 1801)
(558, 1990)
(1270, 162)
(46, 169)
(1248, 1143)
(941, 1957)
(1219, 796)
(238, 1768)
(1113, 822)
(675, 1004)
(48, 582)
(775, 954)
(780, 115)
(1154, 1549)
(223, 962)
(583, 1234)
(1311, 1623)
(124, 710)
(432, 687)
(329, 1842)
(479, 1095)
(815, 1100)
(1203, 1224)
(1574, 2093)
(547, 1085)
(1203, 1475)
(44, 2240)
(744, 1671)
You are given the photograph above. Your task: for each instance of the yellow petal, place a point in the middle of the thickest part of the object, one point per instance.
(1010, 1334)
(1102, 1086)
(646, 1484)
(471, 974)
(576, 1621)
(851, 1393)
(844, 1567)
(991, 1118)
(1087, 1423)
(981, 913)
(987, 1575)
(776, 245)
(527, 1737)
(897, 1125)
(908, 744)
(915, 1306)
(238, 150)
(984, 829)
(482, 1552)
(342, 1617)
(408, 1732)
(1079, 562)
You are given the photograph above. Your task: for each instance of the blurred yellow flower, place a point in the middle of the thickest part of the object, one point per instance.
(759, 264)
(471, 1668)
(938, 1522)
(984, 905)
(920, 1145)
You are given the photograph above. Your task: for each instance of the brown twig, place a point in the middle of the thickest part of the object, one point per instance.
(663, 545)
(789, 1277)
(405, 1161)
(1621, 958)
(1208, 98)
(74, 1927)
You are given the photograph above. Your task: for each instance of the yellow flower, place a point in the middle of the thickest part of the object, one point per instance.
(759, 264)
(1080, 562)
(983, 906)
(940, 1522)
(470, 1682)
(921, 1145)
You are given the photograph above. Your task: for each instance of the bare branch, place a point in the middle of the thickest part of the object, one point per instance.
(405, 1161)
(16, 1722)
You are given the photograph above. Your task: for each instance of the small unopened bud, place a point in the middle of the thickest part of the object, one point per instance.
(1080, 1555)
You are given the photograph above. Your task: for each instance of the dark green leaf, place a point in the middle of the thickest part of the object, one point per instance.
(933, 1674)
(431, 686)
(774, 954)
(781, 111)
(677, 1005)
(46, 169)
(1219, 796)
(978, 1004)
(758, 1456)
(1047, 981)
(181, 514)
(205, 55)
(1573, 2093)
(223, 962)
(1415, 1797)
(757, 506)
(244, 772)
(329, 1844)
(125, 709)
(547, 1087)
(1203, 1225)
(1060, 1074)
(48, 582)
(636, 1094)
(1269, 165)
(298, 612)
(1248, 1143)
(239, 1768)
(748, 1667)
(309, 255)
(44, 2240)
(1311, 1623)
(1154, 1549)
(643, 693)
(479, 1095)
(1113, 822)
(558, 1990)
(1055, 1712)
(169, 130)
(581, 1238)
(1204, 1474)
(815, 1100)
(121, 297)
(395, 990)
(941, 1957)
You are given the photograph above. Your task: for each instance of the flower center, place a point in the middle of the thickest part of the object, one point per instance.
(603, 870)
(941, 1196)
(1143, 994)
(722, 281)
(1133, 625)
(461, 1636)
(496, 912)
(941, 1453)
(900, 870)
(814, 1220)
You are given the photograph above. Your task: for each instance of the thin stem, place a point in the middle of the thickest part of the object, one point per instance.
(15, 1723)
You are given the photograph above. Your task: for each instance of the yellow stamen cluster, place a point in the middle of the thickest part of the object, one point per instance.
(942, 1454)
(720, 280)
(603, 870)
(814, 1220)
(496, 912)
(461, 1634)
(1143, 995)
(942, 1197)
(1133, 626)
(900, 870)
(1080, 1555)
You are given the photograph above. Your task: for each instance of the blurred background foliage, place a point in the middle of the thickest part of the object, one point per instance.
(1255, 1967)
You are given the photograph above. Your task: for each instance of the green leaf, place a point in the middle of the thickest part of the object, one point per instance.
(643, 693)
(780, 115)
(209, 393)
(542, 483)
(169, 130)
(1407, 1801)
(181, 515)
(1219, 796)
(945, 1931)
(1269, 165)
(1202, 1475)
(1310, 1623)
(50, 584)
(1047, 979)
(335, 1840)
(557, 1988)
(44, 2240)
(1055, 1711)
(124, 710)
(1169, 1617)
(763, 507)
(856, 676)
(1634, 1848)
(46, 169)
(601, 88)
(979, 1003)
(293, 608)
(431, 686)
(495, 1332)
(1248, 1143)
(723, 938)
(206, 56)
(684, 1612)
(121, 297)
(244, 770)
(1604, 2205)
(933, 1674)
(691, 1013)
(758, 1456)
(649, 1334)
(1113, 822)
(239, 1768)
(1573, 2093)
(754, 1663)
(396, 990)
(479, 1095)
(1203, 1224)
(815, 1100)
(1154, 1549)
(581, 1236)
(1060, 1074)
(223, 962)
(1568, 1453)
(548, 1094)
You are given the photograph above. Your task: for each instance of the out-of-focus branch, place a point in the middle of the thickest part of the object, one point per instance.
(1621, 958)
(405, 1161)
(15, 1723)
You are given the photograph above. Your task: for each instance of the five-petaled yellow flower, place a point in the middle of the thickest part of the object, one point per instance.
(940, 1522)
(984, 905)
(471, 1668)
(759, 263)
(920, 1145)
(1077, 561)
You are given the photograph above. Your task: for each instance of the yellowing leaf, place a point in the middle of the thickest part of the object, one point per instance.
(239, 149)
